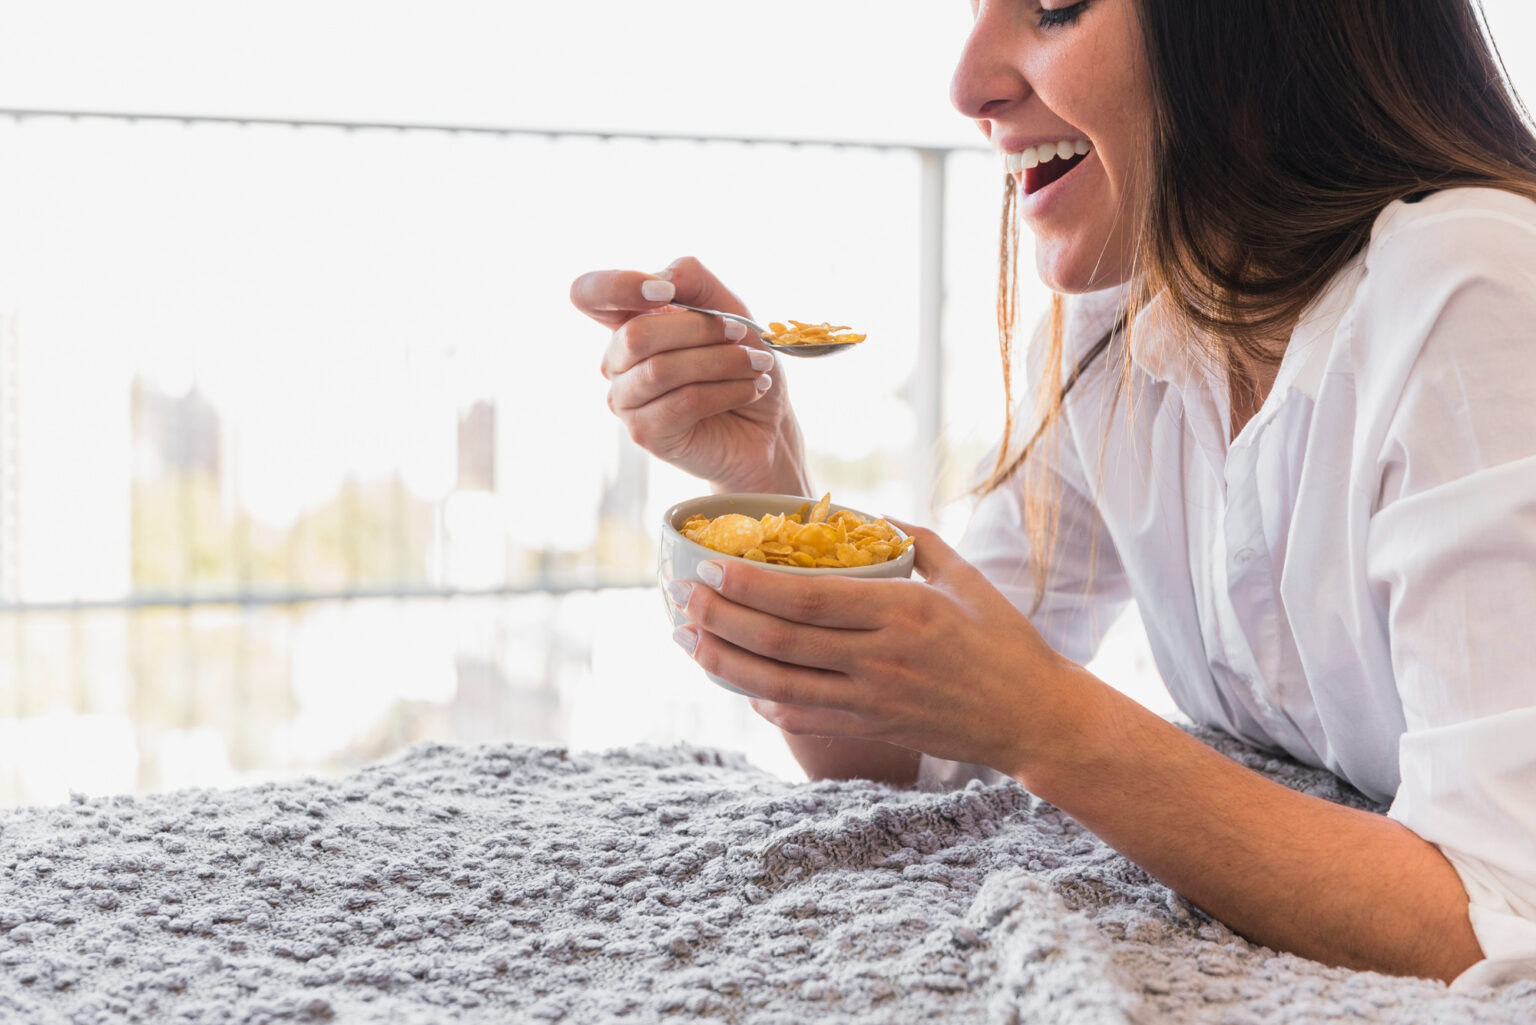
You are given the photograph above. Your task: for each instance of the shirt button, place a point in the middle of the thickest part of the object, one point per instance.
(1244, 556)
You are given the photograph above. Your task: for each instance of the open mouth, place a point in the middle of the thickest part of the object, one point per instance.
(1047, 163)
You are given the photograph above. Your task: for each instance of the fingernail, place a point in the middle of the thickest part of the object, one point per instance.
(712, 573)
(763, 383)
(657, 291)
(687, 638)
(735, 331)
(679, 590)
(759, 359)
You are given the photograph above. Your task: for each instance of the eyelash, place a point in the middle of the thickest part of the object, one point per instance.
(1062, 16)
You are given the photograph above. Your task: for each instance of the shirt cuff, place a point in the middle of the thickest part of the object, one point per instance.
(1507, 938)
(939, 774)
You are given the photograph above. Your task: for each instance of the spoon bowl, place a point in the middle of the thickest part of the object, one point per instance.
(803, 351)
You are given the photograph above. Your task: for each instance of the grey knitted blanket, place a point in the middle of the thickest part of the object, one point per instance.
(515, 884)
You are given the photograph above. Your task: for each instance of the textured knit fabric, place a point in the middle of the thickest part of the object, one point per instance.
(514, 884)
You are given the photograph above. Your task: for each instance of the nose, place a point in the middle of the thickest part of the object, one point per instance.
(987, 80)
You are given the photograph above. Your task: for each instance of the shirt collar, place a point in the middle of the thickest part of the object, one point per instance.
(1166, 349)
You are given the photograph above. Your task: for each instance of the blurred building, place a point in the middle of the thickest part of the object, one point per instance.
(477, 447)
(627, 491)
(174, 433)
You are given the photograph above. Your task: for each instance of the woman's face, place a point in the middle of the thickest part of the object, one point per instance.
(1061, 90)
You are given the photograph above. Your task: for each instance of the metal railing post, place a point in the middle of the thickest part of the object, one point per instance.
(927, 387)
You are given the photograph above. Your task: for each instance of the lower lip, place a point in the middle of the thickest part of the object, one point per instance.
(1041, 202)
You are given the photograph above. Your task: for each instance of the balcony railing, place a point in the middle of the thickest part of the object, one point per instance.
(199, 583)
(924, 391)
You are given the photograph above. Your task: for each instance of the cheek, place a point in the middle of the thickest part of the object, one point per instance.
(1099, 83)
(1126, 111)
(1126, 144)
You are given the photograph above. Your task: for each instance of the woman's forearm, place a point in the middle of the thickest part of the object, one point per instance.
(844, 758)
(1284, 869)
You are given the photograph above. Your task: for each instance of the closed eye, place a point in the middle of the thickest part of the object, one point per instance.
(1062, 16)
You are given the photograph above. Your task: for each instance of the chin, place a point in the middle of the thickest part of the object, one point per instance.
(1074, 269)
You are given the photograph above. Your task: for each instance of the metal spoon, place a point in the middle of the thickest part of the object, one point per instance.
(804, 351)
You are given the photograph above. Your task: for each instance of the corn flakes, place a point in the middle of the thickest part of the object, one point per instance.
(801, 333)
(808, 537)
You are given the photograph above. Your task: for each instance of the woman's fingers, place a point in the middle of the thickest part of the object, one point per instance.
(668, 371)
(815, 647)
(764, 678)
(611, 297)
(838, 602)
(810, 720)
(697, 286)
(645, 337)
(659, 423)
(936, 562)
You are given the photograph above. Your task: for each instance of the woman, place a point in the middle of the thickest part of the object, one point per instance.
(1295, 422)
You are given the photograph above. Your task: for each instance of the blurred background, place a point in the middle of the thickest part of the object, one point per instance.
(303, 452)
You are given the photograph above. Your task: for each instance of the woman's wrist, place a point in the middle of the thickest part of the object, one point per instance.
(791, 477)
(784, 474)
(1071, 727)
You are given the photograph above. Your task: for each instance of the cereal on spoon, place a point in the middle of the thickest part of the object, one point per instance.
(800, 333)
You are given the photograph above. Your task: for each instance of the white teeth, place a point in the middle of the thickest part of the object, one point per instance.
(1034, 156)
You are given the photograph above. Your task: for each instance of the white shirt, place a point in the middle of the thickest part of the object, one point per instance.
(1351, 580)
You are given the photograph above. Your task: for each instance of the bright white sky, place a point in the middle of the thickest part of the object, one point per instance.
(864, 69)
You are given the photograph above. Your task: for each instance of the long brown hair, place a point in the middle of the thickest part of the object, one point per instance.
(1280, 129)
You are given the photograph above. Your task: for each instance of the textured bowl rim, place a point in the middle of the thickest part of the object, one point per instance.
(906, 559)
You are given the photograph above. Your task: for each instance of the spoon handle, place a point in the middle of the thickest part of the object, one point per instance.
(738, 318)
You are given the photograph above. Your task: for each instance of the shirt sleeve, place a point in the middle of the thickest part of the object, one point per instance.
(1451, 552)
(1086, 589)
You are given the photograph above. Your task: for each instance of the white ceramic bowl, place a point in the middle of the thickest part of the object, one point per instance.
(680, 557)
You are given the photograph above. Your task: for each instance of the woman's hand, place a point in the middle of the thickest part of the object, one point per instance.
(946, 666)
(950, 668)
(697, 391)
